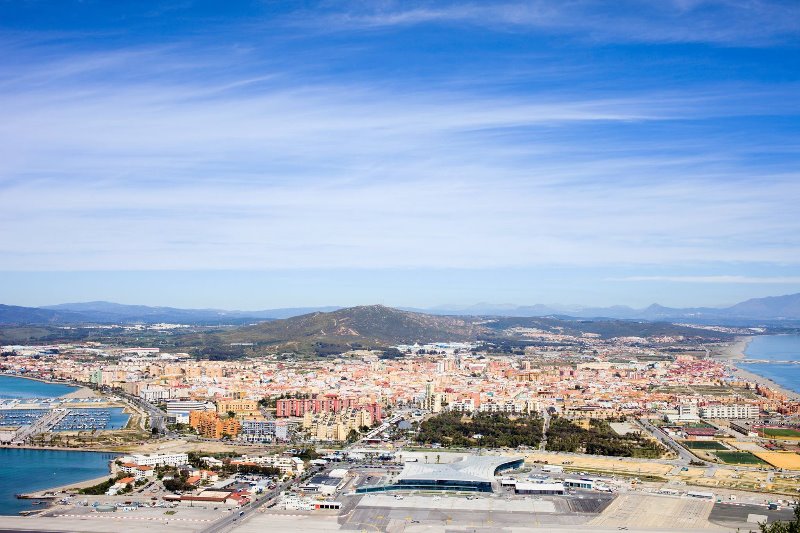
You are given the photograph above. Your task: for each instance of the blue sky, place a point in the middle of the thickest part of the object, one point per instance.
(271, 154)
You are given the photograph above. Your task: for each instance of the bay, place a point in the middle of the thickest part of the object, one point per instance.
(781, 352)
(13, 387)
(27, 470)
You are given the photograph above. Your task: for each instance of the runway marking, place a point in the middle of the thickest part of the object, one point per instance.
(151, 518)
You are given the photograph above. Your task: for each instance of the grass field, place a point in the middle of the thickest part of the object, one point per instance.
(740, 458)
(703, 445)
(780, 432)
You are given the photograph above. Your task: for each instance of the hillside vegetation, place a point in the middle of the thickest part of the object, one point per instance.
(373, 326)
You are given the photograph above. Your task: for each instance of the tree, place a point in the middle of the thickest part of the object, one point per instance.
(784, 527)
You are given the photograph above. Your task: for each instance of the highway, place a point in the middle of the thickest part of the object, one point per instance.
(668, 441)
(155, 414)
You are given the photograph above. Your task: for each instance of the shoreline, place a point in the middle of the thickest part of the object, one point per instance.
(81, 391)
(747, 375)
(57, 448)
(40, 494)
(734, 352)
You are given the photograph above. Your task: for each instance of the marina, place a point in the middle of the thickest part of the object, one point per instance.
(76, 419)
(93, 419)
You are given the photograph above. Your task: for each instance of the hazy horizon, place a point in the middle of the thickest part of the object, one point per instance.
(443, 305)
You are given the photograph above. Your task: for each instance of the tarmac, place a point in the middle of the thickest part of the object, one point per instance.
(585, 511)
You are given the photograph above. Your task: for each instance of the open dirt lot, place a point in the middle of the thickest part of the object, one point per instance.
(785, 460)
(606, 464)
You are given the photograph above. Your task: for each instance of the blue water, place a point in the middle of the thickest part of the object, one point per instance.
(29, 470)
(13, 387)
(782, 349)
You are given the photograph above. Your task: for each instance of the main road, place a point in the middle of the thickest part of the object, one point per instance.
(668, 441)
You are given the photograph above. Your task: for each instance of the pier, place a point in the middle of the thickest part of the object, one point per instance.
(42, 425)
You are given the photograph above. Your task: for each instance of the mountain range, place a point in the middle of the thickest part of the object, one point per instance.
(773, 308)
(114, 313)
(769, 308)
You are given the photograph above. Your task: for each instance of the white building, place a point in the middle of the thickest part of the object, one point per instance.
(686, 412)
(154, 393)
(733, 410)
(137, 471)
(467, 405)
(168, 459)
(504, 407)
(287, 465)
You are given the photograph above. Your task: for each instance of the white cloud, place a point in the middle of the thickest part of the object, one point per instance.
(265, 171)
(749, 280)
(752, 23)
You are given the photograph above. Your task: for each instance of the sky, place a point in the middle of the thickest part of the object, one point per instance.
(263, 154)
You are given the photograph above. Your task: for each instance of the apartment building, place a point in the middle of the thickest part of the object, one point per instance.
(293, 466)
(266, 430)
(335, 426)
(211, 426)
(731, 410)
(166, 459)
(241, 407)
(329, 403)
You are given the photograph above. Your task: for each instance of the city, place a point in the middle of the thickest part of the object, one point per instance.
(572, 429)
(399, 266)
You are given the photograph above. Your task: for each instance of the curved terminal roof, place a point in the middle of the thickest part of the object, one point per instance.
(472, 469)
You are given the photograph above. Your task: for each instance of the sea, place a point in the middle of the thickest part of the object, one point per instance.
(14, 387)
(27, 470)
(783, 354)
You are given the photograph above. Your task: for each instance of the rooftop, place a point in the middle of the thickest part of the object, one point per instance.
(471, 469)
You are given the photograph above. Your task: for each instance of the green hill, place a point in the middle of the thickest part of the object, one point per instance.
(371, 326)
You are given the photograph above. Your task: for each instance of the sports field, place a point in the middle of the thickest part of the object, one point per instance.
(780, 432)
(703, 445)
(739, 458)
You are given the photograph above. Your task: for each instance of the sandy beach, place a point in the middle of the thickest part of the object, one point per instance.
(766, 382)
(734, 352)
(82, 392)
(77, 485)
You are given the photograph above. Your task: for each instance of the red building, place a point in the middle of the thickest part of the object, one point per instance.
(323, 404)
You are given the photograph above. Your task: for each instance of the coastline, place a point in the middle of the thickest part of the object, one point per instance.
(58, 448)
(81, 392)
(746, 375)
(734, 352)
(46, 493)
(99, 469)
